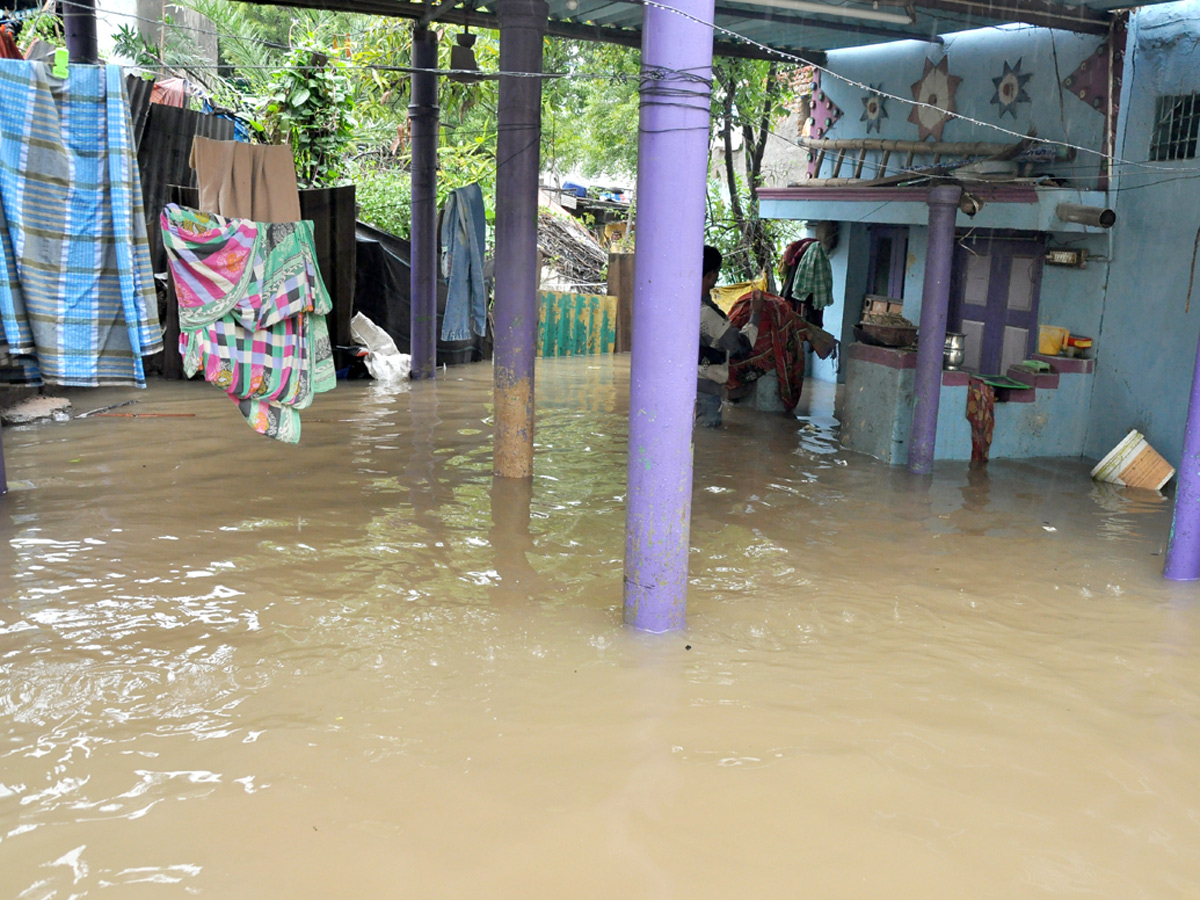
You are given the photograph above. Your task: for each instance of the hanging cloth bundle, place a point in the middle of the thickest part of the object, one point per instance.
(9, 31)
(76, 288)
(252, 310)
(807, 278)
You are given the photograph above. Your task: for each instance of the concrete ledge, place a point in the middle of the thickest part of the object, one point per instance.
(1068, 365)
(955, 378)
(1045, 380)
(1016, 395)
(900, 359)
(882, 356)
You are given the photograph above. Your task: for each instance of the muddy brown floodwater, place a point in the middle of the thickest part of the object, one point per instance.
(358, 668)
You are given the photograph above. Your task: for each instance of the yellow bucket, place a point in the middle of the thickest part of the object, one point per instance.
(1052, 339)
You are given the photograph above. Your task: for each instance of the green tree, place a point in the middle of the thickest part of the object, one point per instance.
(590, 117)
(748, 98)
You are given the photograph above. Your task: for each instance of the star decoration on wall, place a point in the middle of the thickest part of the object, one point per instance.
(874, 111)
(1089, 82)
(1010, 88)
(824, 113)
(935, 89)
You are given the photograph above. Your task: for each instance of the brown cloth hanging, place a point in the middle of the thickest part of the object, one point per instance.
(981, 413)
(8, 45)
(246, 181)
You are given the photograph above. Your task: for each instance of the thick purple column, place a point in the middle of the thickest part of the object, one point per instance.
(672, 169)
(79, 29)
(423, 119)
(522, 28)
(935, 303)
(1183, 546)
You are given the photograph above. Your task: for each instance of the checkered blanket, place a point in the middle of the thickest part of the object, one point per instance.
(76, 286)
(252, 309)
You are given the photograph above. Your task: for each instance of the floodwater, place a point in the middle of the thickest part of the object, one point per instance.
(358, 668)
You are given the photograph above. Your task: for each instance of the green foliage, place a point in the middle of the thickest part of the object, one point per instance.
(724, 231)
(46, 27)
(747, 99)
(384, 197)
(590, 119)
(309, 105)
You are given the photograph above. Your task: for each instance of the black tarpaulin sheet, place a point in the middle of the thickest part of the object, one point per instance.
(382, 293)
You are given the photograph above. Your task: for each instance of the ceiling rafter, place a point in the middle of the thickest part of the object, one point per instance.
(1046, 13)
(629, 37)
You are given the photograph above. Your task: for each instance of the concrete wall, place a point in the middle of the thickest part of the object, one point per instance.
(977, 57)
(877, 417)
(1133, 295)
(1147, 339)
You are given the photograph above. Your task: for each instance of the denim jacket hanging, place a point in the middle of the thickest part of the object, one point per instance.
(462, 264)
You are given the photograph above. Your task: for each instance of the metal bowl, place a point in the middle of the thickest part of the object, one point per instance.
(885, 335)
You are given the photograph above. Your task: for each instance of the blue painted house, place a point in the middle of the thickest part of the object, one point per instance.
(1116, 122)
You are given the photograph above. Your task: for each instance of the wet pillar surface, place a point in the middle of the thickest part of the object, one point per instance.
(515, 310)
(672, 164)
(423, 119)
(79, 29)
(935, 303)
(3, 474)
(1183, 546)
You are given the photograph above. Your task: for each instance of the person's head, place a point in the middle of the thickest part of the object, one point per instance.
(712, 268)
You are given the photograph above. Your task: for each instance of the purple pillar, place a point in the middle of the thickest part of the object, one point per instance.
(672, 170)
(935, 303)
(423, 119)
(1183, 546)
(79, 28)
(522, 28)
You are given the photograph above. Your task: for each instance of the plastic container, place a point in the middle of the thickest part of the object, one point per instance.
(1134, 463)
(1052, 339)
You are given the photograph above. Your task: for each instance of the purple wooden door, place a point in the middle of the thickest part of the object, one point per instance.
(994, 300)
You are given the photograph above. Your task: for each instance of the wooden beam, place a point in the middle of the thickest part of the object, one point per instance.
(1046, 13)
(629, 37)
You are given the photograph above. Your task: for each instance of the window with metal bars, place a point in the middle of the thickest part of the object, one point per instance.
(1176, 127)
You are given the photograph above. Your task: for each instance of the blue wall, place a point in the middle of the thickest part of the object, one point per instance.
(1148, 337)
(977, 57)
(1133, 296)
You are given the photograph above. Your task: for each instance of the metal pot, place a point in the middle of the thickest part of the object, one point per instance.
(952, 355)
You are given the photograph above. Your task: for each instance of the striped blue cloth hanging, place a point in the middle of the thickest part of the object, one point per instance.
(76, 285)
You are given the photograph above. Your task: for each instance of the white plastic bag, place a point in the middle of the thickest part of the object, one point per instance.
(384, 361)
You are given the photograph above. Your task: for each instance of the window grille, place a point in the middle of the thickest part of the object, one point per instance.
(1176, 127)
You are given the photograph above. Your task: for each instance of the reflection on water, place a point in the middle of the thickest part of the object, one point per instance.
(362, 667)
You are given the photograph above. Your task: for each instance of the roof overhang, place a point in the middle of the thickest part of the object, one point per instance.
(753, 28)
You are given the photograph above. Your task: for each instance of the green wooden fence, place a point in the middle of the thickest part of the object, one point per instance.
(576, 324)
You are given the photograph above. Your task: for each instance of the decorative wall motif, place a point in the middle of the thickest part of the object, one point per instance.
(1089, 82)
(874, 112)
(824, 111)
(1010, 88)
(935, 89)
(824, 114)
